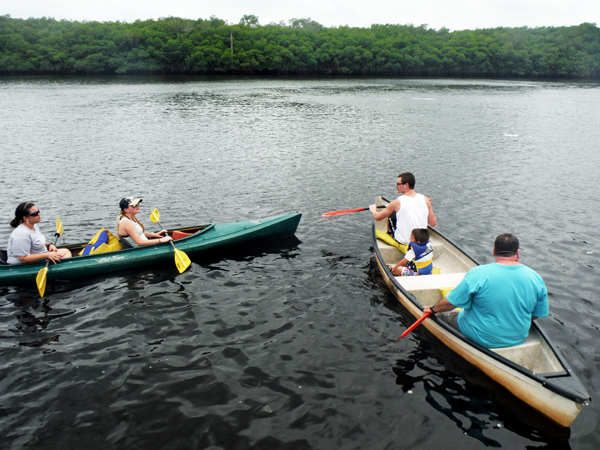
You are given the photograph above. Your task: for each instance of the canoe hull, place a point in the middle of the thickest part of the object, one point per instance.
(558, 395)
(557, 408)
(211, 237)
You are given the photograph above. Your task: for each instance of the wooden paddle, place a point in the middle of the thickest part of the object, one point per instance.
(335, 213)
(414, 325)
(181, 259)
(40, 280)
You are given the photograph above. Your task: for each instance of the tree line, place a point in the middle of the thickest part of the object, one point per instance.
(173, 45)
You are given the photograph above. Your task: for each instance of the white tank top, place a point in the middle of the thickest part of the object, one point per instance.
(413, 214)
(138, 228)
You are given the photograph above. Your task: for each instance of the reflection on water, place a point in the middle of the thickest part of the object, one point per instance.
(474, 403)
(291, 344)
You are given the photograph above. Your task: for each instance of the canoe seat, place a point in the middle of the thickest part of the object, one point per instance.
(525, 354)
(532, 355)
(427, 287)
(390, 254)
(124, 242)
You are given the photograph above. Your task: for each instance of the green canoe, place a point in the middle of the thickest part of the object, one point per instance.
(203, 238)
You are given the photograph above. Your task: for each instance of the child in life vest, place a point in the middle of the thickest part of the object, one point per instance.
(419, 257)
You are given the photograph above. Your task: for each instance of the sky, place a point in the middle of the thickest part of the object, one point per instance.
(454, 15)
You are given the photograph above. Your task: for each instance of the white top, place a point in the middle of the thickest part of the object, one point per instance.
(138, 228)
(413, 214)
(23, 242)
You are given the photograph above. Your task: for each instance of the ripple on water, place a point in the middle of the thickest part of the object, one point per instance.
(288, 345)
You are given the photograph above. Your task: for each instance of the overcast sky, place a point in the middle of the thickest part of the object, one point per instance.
(455, 15)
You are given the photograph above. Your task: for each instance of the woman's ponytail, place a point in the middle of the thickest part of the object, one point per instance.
(21, 211)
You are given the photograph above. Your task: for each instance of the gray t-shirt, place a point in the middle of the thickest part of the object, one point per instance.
(23, 242)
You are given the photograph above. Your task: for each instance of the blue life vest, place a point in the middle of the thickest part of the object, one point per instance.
(102, 239)
(423, 262)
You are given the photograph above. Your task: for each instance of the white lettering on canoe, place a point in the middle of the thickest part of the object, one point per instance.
(111, 258)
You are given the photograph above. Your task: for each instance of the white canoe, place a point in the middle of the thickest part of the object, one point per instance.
(534, 371)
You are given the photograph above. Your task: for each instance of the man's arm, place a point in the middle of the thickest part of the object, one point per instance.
(387, 212)
(541, 308)
(431, 219)
(441, 306)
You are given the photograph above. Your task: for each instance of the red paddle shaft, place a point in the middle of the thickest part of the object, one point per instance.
(414, 325)
(335, 213)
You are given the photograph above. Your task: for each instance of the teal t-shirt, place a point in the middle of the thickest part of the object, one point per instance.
(498, 303)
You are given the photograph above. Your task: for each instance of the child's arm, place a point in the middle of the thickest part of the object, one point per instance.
(402, 263)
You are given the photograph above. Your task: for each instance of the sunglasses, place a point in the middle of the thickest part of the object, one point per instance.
(134, 205)
(35, 214)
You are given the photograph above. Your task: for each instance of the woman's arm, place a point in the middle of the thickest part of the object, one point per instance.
(160, 234)
(126, 228)
(52, 256)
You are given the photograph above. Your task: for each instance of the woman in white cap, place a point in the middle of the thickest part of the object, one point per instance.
(26, 243)
(132, 230)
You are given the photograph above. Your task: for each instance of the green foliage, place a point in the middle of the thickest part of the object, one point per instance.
(300, 47)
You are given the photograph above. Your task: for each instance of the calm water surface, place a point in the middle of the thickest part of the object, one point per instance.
(289, 345)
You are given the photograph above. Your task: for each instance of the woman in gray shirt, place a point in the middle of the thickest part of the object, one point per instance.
(26, 243)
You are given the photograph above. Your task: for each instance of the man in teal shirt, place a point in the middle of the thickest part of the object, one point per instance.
(498, 300)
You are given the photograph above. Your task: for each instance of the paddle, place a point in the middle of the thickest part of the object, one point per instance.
(414, 325)
(335, 213)
(40, 280)
(181, 259)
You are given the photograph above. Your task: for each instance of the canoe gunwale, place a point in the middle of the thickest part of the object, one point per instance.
(202, 229)
(547, 380)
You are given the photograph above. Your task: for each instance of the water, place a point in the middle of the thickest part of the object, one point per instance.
(289, 345)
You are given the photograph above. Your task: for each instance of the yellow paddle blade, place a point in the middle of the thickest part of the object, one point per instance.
(182, 261)
(40, 280)
(59, 227)
(155, 216)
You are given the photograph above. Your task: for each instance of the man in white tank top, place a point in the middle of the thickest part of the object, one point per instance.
(412, 210)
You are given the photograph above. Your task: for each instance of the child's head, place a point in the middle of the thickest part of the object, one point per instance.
(419, 235)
